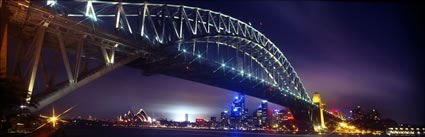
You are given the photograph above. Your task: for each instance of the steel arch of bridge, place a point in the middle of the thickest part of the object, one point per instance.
(69, 31)
(167, 24)
(138, 28)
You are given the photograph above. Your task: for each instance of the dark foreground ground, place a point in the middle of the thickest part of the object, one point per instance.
(143, 132)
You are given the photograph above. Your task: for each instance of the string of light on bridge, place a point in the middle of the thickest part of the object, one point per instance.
(242, 73)
(90, 13)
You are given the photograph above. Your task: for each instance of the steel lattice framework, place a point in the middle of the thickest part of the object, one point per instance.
(201, 34)
(167, 24)
(43, 37)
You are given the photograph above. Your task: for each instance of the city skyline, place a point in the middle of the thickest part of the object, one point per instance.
(188, 115)
(346, 54)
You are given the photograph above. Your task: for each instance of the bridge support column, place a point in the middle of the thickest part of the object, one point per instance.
(52, 97)
(304, 119)
(4, 19)
(39, 38)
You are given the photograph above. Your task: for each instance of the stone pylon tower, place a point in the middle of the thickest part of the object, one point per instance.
(317, 100)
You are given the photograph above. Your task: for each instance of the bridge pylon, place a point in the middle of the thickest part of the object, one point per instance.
(320, 124)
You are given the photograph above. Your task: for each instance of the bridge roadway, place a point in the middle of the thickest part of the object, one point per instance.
(213, 74)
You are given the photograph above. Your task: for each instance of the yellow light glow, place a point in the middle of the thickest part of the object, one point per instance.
(344, 127)
(53, 119)
(316, 98)
(342, 124)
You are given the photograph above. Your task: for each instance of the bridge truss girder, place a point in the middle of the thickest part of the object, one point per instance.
(82, 53)
(157, 25)
(167, 24)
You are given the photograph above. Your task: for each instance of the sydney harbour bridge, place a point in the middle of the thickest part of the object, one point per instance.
(80, 41)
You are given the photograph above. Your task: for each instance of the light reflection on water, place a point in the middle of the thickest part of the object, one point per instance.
(138, 132)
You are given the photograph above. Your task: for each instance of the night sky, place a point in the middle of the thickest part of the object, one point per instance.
(352, 53)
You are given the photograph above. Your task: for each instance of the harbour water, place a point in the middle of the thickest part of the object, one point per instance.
(161, 132)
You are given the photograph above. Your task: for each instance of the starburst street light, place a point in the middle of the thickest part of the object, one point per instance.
(54, 119)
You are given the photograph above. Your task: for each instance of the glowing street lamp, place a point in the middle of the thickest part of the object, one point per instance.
(54, 119)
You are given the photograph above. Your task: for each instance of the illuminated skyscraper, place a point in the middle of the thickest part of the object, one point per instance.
(225, 118)
(257, 117)
(357, 114)
(278, 117)
(238, 106)
(262, 116)
(374, 115)
(265, 120)
(238, 113)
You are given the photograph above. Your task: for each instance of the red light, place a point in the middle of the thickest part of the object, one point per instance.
(291, 117)
(270, 89)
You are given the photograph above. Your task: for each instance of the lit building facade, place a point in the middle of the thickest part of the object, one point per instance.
(262, 116)
(265, 116)
(225, 122)
(405, 130)
(238, 113)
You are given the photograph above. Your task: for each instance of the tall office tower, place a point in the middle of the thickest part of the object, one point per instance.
(265, 120)
(238, 114)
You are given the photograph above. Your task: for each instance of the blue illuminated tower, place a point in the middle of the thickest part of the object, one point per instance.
(238, 106)
(238, 112)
